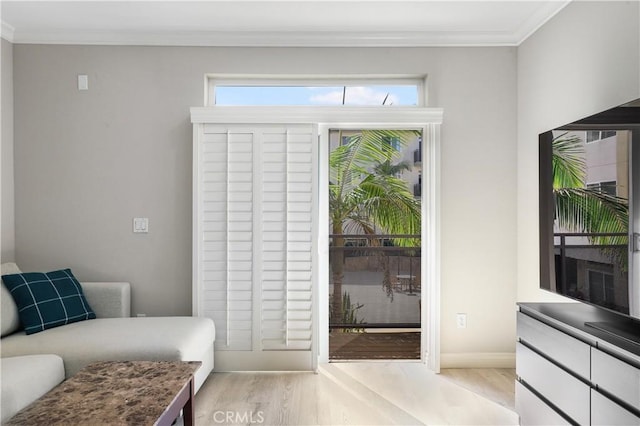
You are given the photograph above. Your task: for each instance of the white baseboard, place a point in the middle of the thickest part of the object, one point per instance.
(478, 360)
(262, 361)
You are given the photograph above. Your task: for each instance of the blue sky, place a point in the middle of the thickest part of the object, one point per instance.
(299, 95)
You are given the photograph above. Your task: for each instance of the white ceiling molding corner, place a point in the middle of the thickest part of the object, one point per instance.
(536, 21)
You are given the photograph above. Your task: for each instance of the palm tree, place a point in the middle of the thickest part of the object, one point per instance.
(362, 201)
(580, 209)
(389, 169)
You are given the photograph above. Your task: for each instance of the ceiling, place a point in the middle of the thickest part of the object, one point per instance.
(276, 23)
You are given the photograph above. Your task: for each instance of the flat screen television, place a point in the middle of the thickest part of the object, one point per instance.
(590, 210)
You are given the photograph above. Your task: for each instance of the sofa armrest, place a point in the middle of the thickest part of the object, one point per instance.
(108, 299)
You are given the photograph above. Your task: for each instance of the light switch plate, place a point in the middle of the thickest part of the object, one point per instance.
(140, 224)
(83, 82)
(461, 320)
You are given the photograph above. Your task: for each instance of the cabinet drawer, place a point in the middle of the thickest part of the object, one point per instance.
(607, 413)
(534, 411)
(568, 393)
(616, 377)
(564, 349)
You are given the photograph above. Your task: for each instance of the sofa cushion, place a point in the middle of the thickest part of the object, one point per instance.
(47, 300)
(9, 320)
(122, 339)
(27, 378)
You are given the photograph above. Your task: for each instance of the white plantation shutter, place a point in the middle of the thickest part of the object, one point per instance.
(286, 238)
(255, 210)
(227, 218)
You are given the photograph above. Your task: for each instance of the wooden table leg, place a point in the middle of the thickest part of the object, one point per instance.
(189, 410)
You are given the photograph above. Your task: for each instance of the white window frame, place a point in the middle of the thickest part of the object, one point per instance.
(213, 80)
(598, 185)
(601, 133)
(604, 285)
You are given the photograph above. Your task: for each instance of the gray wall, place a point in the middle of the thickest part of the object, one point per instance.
(7, 231)
(583, 61)
(88, 162)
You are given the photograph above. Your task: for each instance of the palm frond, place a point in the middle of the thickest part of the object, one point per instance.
(386, 201)
(568, 162)
(389, 169)
(351, 164)
(593, 212)
(367, 147)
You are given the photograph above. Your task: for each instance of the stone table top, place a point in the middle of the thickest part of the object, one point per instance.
(111, 393)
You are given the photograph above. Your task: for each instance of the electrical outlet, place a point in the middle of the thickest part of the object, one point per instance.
(461, 320)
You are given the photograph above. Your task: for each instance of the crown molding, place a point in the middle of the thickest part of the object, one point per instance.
(271, 38)
(184, 26)
(538, 20)
(7, 31)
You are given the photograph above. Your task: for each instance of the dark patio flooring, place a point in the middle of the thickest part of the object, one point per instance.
(359, 346)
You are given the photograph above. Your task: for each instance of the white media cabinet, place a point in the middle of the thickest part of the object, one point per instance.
(569, 372)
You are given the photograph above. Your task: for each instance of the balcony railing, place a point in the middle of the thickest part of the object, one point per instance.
(381, 278)
(579, 257)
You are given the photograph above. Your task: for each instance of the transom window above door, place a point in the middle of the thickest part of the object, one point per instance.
(366, 91)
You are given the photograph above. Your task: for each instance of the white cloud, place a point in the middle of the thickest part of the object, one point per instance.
(354, 96)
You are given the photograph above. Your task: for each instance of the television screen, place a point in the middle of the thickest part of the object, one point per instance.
(589, 208)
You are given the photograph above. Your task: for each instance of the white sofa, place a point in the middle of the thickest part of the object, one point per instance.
(112, 336)
(25, 379)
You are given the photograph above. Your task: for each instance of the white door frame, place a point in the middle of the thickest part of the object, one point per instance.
(379, 117)
(430, 259)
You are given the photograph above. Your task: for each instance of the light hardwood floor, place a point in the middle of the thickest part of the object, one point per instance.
(374, 393)
(496, 384)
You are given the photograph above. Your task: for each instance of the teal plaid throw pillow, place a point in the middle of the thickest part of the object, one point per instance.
(48, 300)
